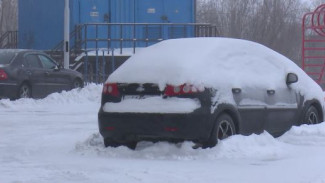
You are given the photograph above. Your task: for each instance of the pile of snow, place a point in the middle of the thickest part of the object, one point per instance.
(305, 135)
(262, 147)
(222, 63)
(90, 93)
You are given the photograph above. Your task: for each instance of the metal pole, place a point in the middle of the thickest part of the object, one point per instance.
(66, 34)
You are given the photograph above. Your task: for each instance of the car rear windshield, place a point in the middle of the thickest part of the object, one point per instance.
(6, 57)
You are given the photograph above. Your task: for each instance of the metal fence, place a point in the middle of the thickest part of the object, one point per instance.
(9, 40)
(97, 44)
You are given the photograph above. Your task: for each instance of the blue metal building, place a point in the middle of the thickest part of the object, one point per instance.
(105, 27)
(135, 22)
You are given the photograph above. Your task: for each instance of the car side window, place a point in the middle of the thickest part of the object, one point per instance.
(32, 61)
(47, 62)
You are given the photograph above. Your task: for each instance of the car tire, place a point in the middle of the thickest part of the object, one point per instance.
(223, 128)
(77, 83)
(24, 91)
(311, 116)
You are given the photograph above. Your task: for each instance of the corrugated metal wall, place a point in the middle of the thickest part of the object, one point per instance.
(41, 21)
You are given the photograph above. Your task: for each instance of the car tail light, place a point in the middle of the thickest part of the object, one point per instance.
(3, 75)
(110, 128)
(111, 89)
(180, 90)
(171, 129)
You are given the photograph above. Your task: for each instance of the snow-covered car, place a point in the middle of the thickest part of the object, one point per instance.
(32, 73)
(204, 90)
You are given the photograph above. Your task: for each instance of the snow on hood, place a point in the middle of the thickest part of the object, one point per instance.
(213, 62)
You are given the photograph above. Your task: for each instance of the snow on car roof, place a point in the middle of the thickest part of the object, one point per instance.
(211, 62)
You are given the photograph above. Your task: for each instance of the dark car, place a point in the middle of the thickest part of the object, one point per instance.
(30, 73)
(204, 90)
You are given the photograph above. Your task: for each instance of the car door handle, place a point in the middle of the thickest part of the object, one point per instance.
(47, 73)
(270, 92)
(29, 73)
(236, 90)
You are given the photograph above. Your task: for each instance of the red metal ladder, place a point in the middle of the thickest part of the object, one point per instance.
(313, 44)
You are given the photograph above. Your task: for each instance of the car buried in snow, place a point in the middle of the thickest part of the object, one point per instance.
(31, 73)
(204, 90)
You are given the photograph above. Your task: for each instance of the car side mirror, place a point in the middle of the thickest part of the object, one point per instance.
(291, 78)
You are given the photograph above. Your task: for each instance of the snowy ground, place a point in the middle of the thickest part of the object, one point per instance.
(56, 140)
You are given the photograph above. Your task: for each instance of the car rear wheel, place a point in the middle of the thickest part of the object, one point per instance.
(311, 116)
(224, 128)
(77, 83)
(24, 91)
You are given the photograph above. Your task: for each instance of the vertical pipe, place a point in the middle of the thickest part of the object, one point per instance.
(134, 13)
(97, 65)
(79, 12)
(86, 67)
(135, 27)
(108, 37)
(147, 39)
(134, 38)
(303, 42)
(109, 11)
(85, 34)
(194, 9)
(113, 61)
(121, 38)
(103, 67)
(66, 34)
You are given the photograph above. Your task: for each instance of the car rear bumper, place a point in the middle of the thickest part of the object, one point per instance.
(8, 90)
(126, 127)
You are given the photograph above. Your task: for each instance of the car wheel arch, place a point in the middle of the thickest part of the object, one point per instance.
(315, 103)
(231, 111)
